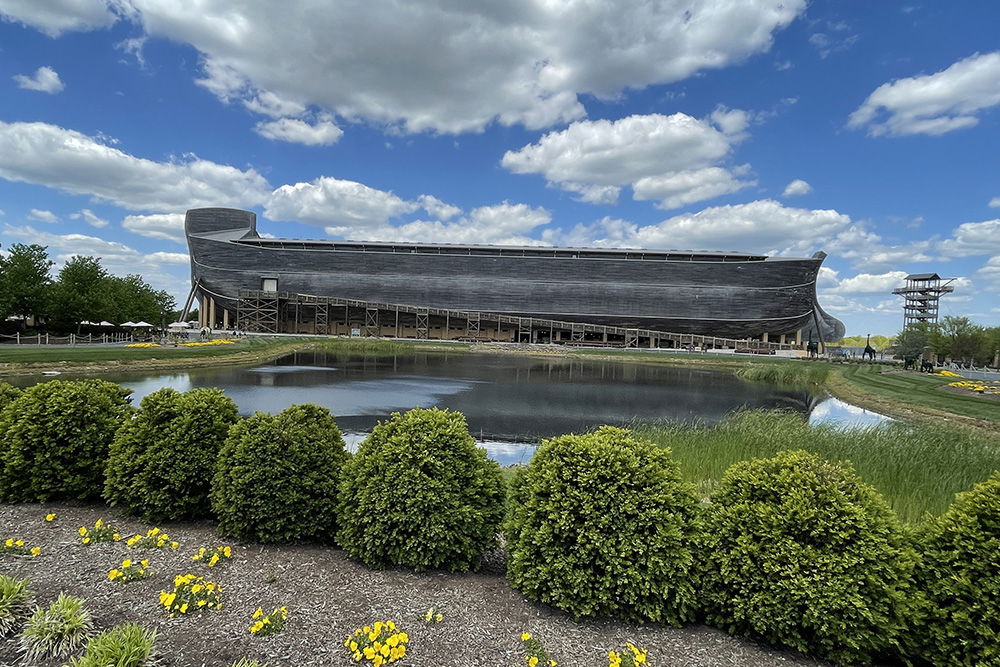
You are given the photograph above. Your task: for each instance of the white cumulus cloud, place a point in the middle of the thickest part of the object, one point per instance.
(67, 160)
(673, 159)
(870, 283)
(503, 224)
(796, 188)
(934, 103)
(332, 202)
(166, 226)
(973, 238)
(45, 80)
(54, 17)
(90, 218)
(459, 66)
(995, 202)
(41, 215)
(296, 131)
(762, 226)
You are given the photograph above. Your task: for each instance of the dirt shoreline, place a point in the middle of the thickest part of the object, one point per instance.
(328, 596)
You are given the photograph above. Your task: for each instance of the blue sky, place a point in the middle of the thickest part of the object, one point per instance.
(865, 129)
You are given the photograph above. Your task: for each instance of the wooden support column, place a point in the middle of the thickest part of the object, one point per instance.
(798, 337)
(202, 312)
(765, 338)
(225, 318)
(211, 313)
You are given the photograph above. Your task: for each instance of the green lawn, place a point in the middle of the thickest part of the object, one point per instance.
(80, 354)
(920, 389)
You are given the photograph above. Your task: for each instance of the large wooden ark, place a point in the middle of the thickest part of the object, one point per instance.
(244, 280)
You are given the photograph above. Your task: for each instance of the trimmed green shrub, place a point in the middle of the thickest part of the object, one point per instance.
(57, 631)
(276, 477)
(960, 575)
(15, 603)
(419, 493)
(7, 394)
(801, 552)
(128, 645)
(602, 524)
(54, 439)
(162, 460)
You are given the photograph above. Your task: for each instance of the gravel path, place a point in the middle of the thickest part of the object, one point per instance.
(328, 596)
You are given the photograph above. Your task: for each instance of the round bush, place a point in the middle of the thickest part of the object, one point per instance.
(960, 575)
(162, 460)
(420, 493)
(7, 394)
(276, 477)
(602, 524)
(801, 552)
(54, 439)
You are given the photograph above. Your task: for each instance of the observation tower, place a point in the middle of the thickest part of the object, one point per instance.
(922, 292)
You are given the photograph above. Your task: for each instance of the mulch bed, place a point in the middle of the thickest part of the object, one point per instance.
(328, 596)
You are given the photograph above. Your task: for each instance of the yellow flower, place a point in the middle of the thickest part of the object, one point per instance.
(100, 522)
(127, 563)
(430, 614)
(174, 545)
(377, 662)
(439, 618)
(213, 560)
(227, 552)
(184, 608)
(9, 542)
(83, 531)
(144, 563)
(201, 603)
(369, 652)
(50, 517)
(86, 540)
(153, 532)
(525, 636)
(116, 537)
(257, 614)
(354, 647)
(532, 661)
(35, 551)
(19, 543)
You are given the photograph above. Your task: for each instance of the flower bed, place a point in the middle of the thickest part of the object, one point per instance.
(328, 597)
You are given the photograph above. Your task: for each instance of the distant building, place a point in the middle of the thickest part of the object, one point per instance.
(632, 297)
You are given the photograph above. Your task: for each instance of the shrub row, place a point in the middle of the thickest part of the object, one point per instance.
(792, 549)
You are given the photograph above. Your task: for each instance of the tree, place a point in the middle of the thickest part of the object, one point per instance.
(80, 292)
(25, 281)
(912, 340)
(132, 298)
(961, 338)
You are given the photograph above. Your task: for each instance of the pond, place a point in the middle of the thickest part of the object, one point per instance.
(510, 401)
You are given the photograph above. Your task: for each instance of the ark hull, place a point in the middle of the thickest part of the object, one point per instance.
(729, 295)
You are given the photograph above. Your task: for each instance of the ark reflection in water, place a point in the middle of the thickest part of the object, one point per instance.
(528, 294)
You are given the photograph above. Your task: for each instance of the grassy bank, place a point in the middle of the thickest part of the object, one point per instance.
(914, 396)
(794, 374)
(918, 468)
(21, 360)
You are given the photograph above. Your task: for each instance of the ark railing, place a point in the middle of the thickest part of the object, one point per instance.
(269, 312)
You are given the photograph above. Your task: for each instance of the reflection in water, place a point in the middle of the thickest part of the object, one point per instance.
(506, 399)
(845, 415)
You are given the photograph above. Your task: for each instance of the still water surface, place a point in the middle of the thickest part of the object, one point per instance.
(509, 401)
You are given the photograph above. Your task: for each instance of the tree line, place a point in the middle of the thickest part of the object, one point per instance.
(957, 338)
(82, 290)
